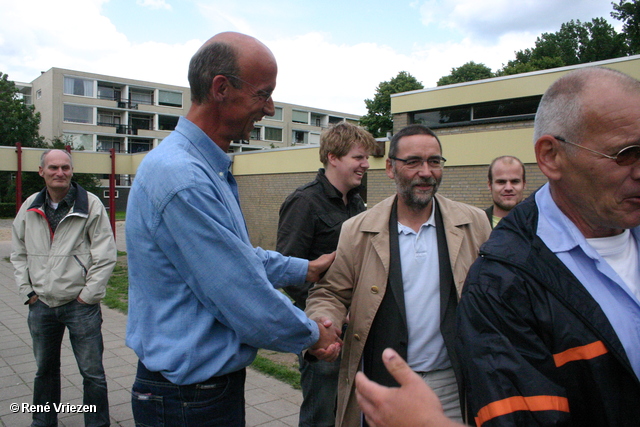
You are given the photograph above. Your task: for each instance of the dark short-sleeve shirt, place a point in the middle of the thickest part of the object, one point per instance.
(310, 222)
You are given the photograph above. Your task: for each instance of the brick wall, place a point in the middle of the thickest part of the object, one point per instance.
(262, 195)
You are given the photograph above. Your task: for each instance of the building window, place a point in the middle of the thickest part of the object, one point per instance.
(300, 137)
(77, 86)
(507, 108)
(140, 96)
(106, 143)
(39, 94)
(105, 194)
(298, 116)
(78, 114)
(490, 112)
(139, 121)
(273, 134)
(170, 99)
(79, 141)
(108, 118)
(277, 115)
(318, 119)
(255, 133)
(139, 145)
(109, 91)
(167, 123)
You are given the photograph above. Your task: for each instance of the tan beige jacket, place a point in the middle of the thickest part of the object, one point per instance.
(358, 278)
(75, 261)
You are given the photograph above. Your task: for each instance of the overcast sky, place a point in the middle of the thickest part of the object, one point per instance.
(331, 54)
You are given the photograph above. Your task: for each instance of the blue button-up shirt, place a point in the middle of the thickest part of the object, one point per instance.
(202, 300)
(618, 302)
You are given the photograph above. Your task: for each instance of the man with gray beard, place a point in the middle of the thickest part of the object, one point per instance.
(398, 274)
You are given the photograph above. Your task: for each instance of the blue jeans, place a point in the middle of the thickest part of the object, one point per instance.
(47, 325)
(319, 383)
(217, 402)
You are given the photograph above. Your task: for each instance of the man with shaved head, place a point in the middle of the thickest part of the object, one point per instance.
(507, 182)
(202, 300)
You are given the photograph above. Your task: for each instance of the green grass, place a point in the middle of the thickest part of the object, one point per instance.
(280, 372)
(117, 298)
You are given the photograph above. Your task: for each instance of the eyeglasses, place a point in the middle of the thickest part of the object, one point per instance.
(434, 163)
(625, 157)
(264, 95)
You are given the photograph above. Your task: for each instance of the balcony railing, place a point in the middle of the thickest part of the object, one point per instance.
(128, 104)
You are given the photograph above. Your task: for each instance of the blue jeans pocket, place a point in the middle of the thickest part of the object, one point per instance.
(218, 402)
(148, 409)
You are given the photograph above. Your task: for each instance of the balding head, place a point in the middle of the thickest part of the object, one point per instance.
(565, 106)
(227, 54)
(584, 121)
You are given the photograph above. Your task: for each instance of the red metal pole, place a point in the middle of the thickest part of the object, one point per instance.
(19, 178)
(112, 192)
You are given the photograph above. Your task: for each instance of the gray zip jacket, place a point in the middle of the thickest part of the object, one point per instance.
(76, 260)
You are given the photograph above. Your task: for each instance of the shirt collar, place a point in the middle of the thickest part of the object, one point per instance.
(431, 222)
(332, 191)
(69, 199)
(208, 149)
(555, 229)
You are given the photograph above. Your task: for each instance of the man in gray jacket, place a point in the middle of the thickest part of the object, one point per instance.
(63, 254)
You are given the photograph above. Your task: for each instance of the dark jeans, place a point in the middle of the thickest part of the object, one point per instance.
(217, 402)
(47, 325)
(319, 383)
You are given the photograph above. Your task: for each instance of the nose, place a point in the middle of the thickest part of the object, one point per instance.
(425, 170)
(365, 164)
(269, 108)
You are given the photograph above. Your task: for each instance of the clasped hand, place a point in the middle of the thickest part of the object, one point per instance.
(329, 344)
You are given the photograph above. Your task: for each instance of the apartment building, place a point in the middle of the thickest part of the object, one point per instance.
(98, 112)
(293, 125)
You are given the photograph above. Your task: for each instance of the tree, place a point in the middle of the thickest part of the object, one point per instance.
(378, 120)
(629, 13)
(466, 73)
(575, 43)
(20, 122)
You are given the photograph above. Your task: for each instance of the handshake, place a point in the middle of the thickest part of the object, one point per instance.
(329, 344)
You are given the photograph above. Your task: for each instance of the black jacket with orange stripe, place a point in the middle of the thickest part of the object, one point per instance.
(535, 348)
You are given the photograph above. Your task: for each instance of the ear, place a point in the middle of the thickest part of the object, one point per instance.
(219, 87)
(332, 159)
(549, 156)
(489, 185)
(389, 169)
(40, 171)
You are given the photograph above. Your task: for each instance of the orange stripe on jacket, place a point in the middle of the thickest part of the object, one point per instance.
(584, 352)
(521, 403)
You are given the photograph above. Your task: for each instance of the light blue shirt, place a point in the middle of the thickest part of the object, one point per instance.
(202, 300)
(421, 282)
(615, 298)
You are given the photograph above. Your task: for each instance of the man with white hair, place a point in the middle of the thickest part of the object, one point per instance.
(549, 321)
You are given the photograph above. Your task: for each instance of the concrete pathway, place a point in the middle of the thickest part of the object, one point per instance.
(269, 402)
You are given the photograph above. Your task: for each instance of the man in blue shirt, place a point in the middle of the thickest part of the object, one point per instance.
(202, 300)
